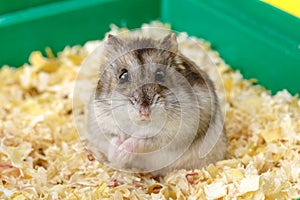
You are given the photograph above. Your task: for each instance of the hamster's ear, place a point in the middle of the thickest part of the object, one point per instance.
(113, 40)
(170, 43)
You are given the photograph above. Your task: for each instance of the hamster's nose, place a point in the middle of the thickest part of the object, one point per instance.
(144, 111)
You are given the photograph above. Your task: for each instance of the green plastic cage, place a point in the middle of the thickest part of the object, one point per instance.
(260, 40)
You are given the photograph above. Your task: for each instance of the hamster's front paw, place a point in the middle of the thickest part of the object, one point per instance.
(122, 152)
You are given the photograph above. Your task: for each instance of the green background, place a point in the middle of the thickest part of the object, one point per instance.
(256, 38)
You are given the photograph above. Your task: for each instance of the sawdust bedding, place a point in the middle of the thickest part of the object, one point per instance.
(41, 156)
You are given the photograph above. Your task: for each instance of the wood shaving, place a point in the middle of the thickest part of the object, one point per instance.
(41, 156)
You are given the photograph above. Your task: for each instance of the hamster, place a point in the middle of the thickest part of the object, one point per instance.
(153, 109)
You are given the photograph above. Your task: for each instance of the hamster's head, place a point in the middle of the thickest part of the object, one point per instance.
(145, 83)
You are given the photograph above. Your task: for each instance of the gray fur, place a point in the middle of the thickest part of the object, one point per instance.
(185, 128)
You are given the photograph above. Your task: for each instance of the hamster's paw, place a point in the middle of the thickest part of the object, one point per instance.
(122, 153)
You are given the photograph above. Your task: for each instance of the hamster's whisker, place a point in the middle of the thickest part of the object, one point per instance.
(110, 100)
(173, 115)
(108, 110)
(172, 109)
(173, 106)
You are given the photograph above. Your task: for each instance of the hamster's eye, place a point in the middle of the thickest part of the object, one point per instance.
(124, 76)
(159, 75)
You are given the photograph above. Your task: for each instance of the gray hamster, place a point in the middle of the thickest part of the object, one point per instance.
(153, 109)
